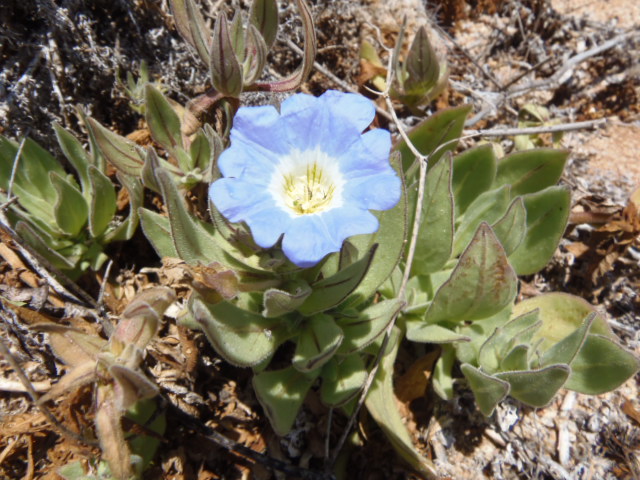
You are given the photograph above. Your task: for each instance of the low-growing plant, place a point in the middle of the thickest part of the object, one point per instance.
(121, 388)
(67, 219)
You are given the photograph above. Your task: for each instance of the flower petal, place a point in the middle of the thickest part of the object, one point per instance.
(311, 122)
(344, 222)
(374, 192)
(307, 241)
(237, 199)
(268, 225)
(368, 155)
(359, 111)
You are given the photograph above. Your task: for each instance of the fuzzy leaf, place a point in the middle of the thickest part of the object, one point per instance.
(429, 333)
(112, 442)
(75, 154)
(530, 171)
(256, 51)
(561, 315)
(281, 393)
(103, 202)
(158, 231)
(565, 350)
(422, 68)
(162, 119)
(601, 366)
(390, 238)
(349, 375)
(435, 237)
(488, 390)
(473, 173)
(70, 209)
(536, 387)
(330, 292)
(192, 241)
(224, 69)
(360, 331)
(119, 151)
(488, 207)
(264, 17)
(42, 245)
(126, 229)
(239, 336)
(512, 227)
(317, 343)
(381, 404)
(280, 302)
(481, 285)
(547, 215)
(130, 386)
(516, 359)
(191, 26)
(310, 48)
(439, 130)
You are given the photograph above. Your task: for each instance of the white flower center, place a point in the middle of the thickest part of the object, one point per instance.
(305, 183)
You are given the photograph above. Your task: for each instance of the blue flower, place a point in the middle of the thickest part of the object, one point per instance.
(307, 174)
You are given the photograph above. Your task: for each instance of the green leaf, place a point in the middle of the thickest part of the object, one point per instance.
(390, 238)
(242, 338)
(381, 404)
(547, 215)
(601, 366)
(348, 377)
(76, 155)
(512, 227)
(317, 343)
(488, 207)
(442, 379)
(200, 152)
(103, 202)
(422, 68)
(536, 387)
(530, 171)
(294, 81)
(162, 119)
(224, 69)
(192, 241)
(279, 302)
(191, 26)
(119, 151)
(70, 209)
(565, 350)
(438, 132)
(488, 390)
(281, 393)
(479, 332)
(418, 331)
(504, 338)
(435, 237)
(516, 359)
(481, 285)
(264, 16)
(158, 231)
(256, 56)
(330, 292)
(561, 315)
(126, 229)
(360, 331)
(473, 173)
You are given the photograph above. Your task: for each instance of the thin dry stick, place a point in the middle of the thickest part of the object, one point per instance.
(412, 245)
(36, 262)
(35, 399)
(506, 132)
(14, 168)
(571, 63)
